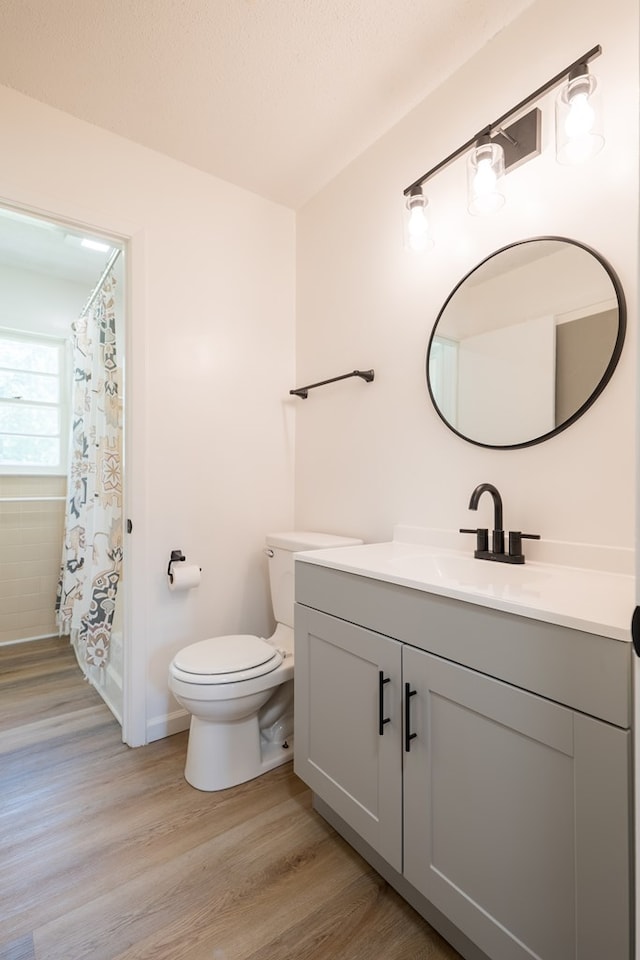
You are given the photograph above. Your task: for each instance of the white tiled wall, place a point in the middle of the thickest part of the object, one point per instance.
(31, 527)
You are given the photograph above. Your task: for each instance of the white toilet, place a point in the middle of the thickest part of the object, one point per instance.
(239, 689)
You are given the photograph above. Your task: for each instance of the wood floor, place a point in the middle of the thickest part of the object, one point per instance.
(107, 853)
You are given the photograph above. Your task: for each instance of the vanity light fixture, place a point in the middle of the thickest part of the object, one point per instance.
(485, 172)
(497, 149)
(579, 118)
(417, 223)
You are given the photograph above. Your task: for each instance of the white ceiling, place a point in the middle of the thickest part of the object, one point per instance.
(276, 96)
(30, 243)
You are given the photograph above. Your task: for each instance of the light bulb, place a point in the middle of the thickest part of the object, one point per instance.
(417, 222)
(485, 179)
(581, 116)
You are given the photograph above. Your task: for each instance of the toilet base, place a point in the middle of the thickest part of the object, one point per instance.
(274, 755)
(222, 755)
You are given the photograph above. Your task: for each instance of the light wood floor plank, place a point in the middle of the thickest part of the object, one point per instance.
(27, 690)
(21, 949)
(107, 853)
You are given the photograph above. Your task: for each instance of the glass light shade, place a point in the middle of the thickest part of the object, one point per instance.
(416, 223)
(579, 133)
(485, 172)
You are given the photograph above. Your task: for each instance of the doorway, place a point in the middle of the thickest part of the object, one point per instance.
(48, 271)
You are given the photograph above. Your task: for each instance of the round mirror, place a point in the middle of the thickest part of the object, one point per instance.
(526, 342)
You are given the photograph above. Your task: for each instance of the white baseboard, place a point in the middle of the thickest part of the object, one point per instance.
(108, 682)
(114, 703)
(42, 636)
(167, 724)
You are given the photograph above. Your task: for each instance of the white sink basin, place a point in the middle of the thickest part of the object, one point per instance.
(469, 572)
(589, 600)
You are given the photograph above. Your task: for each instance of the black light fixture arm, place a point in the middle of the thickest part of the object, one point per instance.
(486, 131)
(367, 375)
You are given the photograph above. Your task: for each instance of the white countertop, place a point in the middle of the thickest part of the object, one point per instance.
(591, 600)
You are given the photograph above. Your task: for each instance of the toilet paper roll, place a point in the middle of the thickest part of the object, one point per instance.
(185, 576)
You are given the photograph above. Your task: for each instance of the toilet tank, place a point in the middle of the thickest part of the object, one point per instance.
(280, 550)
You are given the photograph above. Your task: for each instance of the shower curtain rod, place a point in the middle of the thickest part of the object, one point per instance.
(96, 290)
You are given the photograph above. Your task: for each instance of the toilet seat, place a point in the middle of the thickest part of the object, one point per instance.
(226, 659)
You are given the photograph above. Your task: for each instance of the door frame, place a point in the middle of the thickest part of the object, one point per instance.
(131, 236)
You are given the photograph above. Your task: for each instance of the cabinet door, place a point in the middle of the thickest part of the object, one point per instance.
(516, 816)
(342, 750)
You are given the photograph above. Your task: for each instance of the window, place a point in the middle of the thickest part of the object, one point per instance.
(33, 404)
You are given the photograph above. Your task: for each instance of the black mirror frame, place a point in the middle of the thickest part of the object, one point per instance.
(608, 373)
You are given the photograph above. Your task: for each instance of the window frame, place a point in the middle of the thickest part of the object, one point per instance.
(63, 404)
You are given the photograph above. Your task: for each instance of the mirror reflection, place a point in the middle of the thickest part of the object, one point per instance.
(525, 343)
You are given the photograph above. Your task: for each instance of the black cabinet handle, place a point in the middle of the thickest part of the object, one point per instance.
(408, 736)
(635, 630)
(381, 717)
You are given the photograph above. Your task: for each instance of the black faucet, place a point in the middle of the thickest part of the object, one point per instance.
(482, 551)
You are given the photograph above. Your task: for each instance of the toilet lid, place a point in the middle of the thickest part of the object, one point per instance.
(228, 658)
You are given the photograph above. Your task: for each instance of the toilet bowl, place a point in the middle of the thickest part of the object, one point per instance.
(239, 688)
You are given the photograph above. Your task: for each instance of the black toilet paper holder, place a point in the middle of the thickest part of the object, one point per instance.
(176, 555)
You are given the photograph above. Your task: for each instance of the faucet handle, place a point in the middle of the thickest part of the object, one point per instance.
(515, 541)
(482, 534)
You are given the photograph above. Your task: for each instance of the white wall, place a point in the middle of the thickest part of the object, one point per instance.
(37, 303)
(211, 327)
(371, 455)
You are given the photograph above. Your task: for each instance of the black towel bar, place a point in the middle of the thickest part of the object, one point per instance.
(304, 391)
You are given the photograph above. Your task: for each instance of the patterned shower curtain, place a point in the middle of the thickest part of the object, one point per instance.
(92, 548)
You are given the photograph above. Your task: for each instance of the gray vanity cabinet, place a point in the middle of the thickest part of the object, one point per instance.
(515, 816)
(509, 813)
(339, 751)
